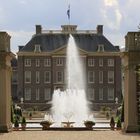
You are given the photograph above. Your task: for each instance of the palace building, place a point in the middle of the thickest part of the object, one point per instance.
(42, 66)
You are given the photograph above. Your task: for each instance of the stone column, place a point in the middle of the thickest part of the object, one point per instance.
(5, 83)
(130, 115)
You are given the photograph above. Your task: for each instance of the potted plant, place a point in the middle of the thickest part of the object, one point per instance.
(23, 123)
(30, 115)
(119, 124)
(112, 123)
(46, 124)
(107, 115)
(16, 124)
(89, 124)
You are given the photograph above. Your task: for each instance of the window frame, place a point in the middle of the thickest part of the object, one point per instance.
(110, 99)
(89, 77)
(27, 62)
(46, 94)
(37, 97)
(49, 77)
(27, 97)
(26, 77)
(91, 62)
(47, 62)
(109, 77)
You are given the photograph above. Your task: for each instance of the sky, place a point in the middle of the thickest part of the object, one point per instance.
(19, 17)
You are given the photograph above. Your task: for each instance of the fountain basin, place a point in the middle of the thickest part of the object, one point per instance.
(68, 124)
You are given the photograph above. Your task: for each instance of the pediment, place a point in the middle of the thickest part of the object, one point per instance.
(62, 51)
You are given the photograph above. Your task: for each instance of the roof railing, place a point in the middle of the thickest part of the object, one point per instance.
(73, 32)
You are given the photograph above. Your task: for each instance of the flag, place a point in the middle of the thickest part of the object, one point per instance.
(68, 12)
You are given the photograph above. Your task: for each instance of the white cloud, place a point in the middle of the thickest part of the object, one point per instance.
(112, 14)
(111, 2)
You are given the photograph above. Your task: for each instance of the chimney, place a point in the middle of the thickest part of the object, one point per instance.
(99, 29)
(38, 29)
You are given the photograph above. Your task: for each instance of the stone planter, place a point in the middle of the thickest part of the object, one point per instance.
(46, 124)
(89, 124)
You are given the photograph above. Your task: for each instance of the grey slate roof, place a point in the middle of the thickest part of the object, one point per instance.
(51, 42)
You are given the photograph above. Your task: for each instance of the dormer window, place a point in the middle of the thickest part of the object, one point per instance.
(100, 48)
(37, 48)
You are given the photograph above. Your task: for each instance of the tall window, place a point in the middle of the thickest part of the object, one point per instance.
(47, 62)
(37, 77)
(110, 76)
(27, 62)
(100, 76)
(110, 62)
(100, 93)
(100, 62)
(91, 62)
(47, 93)
(27, 94)
(91, 77)
(27, 76)
(37, 62)
(110, 93)
(59, 77)
(91, 94)
(37, 94)
(47, 76)
(59, 61)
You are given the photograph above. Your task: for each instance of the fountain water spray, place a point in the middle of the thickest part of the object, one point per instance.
(71, 104)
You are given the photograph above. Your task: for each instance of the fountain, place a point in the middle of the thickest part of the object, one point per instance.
(71, 105)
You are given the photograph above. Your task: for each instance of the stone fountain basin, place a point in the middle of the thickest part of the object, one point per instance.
(68, 129)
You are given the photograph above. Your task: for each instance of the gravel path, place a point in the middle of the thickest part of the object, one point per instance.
(68, 135)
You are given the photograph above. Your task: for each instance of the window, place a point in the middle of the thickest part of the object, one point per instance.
(100, 48)
(91, 62)
(47, 62)
(59, 76)
(59, 61)
(100, 93)
(37, 94)
(100, 62)
(91, 77)
(37, 76)
(27, 62)
(100, 76)
(37, 48)
(91, 94)
(47, 77)
(27, 76)
(110, 76)
(110, 62)
(110, 93)
(37, 62)
(28, 94)
(47, 94)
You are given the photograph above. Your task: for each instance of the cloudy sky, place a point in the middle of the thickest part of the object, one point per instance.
(19, 17)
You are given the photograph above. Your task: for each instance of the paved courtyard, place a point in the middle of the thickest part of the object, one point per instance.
(68, 135)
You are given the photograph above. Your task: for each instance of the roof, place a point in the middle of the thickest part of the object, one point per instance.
(51, 42)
